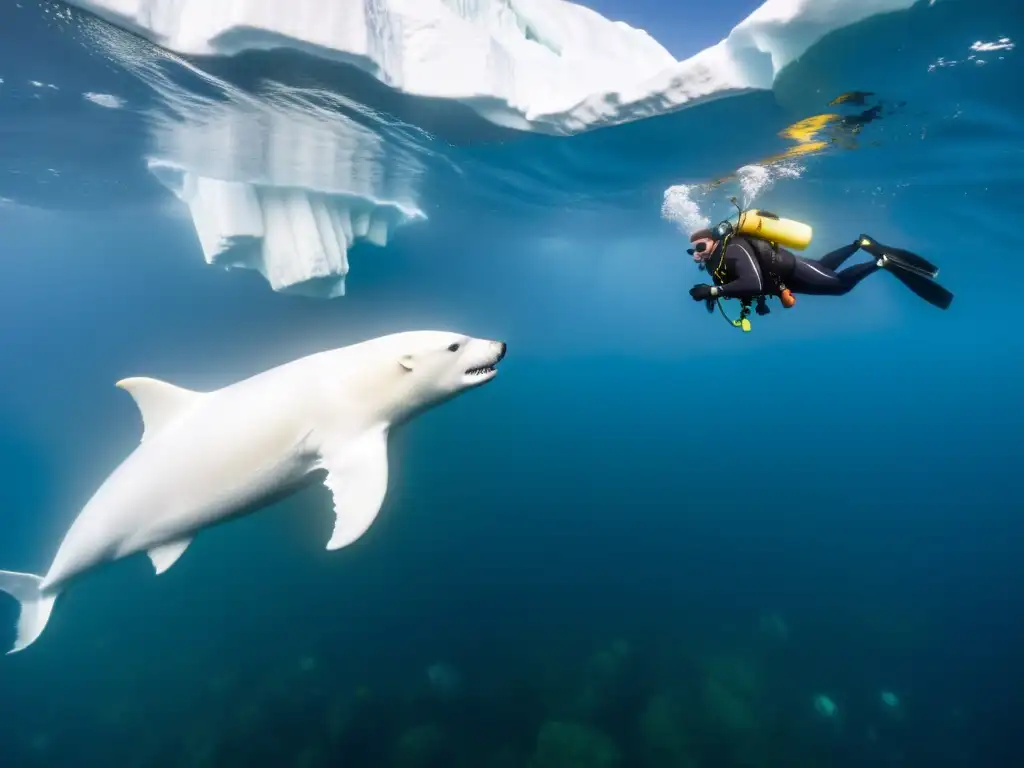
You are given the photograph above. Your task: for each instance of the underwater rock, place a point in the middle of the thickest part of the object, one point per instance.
(732, 690)
(504, 758)
(727, 709)
(604, 678)
(311, 756)
(339, 720)
(202, 749)
(829, 716)
(423, 746)
(891, 705)
(737, 712)
(825, 707)
(564, 744)
(445, 680)
(774, 627)
(361, 727)
(663, 733)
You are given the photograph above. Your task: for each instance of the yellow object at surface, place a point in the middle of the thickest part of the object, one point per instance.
(768, 226)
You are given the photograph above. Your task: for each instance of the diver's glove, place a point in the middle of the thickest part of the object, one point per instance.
(701, 292)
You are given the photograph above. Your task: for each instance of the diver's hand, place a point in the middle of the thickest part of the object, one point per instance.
(700, 292)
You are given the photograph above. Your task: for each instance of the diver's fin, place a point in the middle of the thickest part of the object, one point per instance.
(911, 262)
(927, 289)
(159, 402)
(35, 606)
(898, 258)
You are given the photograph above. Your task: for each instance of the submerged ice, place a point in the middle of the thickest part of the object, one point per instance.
(285, 183)
(284, 191)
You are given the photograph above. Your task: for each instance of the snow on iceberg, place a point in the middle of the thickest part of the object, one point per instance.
(536, 65)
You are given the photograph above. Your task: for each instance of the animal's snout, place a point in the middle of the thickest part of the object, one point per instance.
(502, 348)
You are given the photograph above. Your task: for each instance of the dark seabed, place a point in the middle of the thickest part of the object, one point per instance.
(652, 541)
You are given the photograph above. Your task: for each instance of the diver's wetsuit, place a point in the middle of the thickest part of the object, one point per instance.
(749, 268)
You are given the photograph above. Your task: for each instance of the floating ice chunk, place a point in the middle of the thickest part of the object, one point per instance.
(444, 678)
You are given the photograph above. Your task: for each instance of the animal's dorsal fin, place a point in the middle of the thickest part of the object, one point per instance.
(159, 402)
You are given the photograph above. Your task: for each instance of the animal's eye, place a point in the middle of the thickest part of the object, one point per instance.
(453, 347)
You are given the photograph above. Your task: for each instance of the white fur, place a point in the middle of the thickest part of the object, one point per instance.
(208, 457)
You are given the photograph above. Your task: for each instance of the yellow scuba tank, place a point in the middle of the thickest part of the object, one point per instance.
(768, 226)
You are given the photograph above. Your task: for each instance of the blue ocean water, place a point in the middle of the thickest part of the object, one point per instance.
(651, 536)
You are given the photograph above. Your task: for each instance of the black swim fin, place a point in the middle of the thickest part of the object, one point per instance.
(898, 258)
(927, 289)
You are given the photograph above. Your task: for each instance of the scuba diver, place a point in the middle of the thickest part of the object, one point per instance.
(747, 262)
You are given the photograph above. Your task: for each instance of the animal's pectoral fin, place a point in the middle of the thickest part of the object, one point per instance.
(159, 402)
(166, 555)
(357, 477)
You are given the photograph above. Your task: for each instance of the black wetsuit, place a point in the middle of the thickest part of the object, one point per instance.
(750, 267)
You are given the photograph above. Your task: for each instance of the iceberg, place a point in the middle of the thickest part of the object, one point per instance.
(545, 66)
(288, 182)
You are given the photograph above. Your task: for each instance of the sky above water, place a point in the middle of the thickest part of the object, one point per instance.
(684, 28)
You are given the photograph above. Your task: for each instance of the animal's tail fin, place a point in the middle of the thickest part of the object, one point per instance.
(35, 606)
